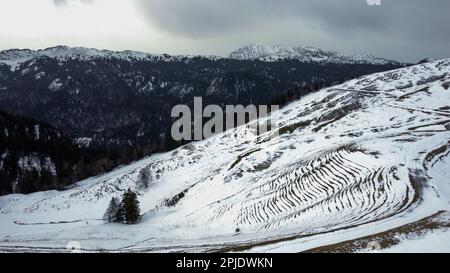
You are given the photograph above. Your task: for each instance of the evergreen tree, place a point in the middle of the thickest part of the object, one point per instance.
(112, 212)
(129, 211)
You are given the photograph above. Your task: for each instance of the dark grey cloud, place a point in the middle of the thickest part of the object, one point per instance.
(198, 18)
(406, 28)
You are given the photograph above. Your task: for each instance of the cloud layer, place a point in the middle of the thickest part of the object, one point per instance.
(411, 28)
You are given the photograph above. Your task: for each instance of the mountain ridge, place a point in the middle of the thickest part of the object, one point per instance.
(304, 53)
(15, 57)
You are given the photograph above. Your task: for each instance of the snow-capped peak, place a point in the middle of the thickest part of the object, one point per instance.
(304, 54)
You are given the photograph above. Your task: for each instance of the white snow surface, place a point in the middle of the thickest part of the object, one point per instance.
(351, 160)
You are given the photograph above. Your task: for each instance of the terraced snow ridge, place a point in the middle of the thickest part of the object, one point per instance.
(346, 186)
(350, 161)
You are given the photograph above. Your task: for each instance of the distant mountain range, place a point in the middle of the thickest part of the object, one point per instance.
(304, 54)
(15, 57)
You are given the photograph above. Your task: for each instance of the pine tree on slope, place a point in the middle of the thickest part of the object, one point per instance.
(129, 210)
(111, 214)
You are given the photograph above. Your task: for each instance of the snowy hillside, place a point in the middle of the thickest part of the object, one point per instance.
(351, 160)
(304, 54)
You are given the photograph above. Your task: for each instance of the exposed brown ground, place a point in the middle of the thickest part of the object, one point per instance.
(389, 238)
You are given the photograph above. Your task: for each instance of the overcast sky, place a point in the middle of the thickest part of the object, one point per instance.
(406, 30)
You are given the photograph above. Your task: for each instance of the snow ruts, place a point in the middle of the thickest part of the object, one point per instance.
(349, 187)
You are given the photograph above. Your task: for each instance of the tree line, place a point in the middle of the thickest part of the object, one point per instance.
(35, 156)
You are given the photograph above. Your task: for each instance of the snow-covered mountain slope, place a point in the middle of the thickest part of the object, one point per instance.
(351, 160)
(304, 54)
